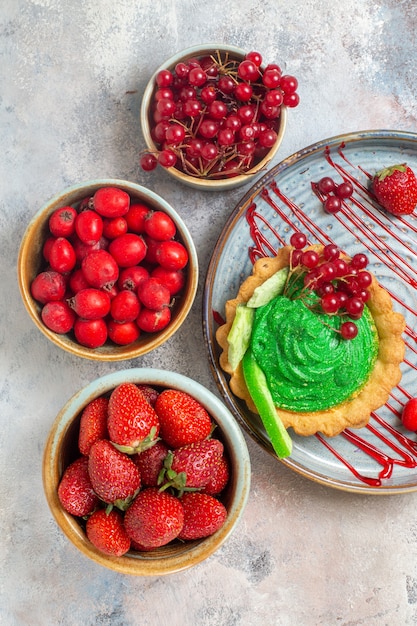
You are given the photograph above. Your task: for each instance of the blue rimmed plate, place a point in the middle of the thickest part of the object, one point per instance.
(382, 457)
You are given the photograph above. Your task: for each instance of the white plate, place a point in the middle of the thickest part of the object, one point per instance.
(382, 457)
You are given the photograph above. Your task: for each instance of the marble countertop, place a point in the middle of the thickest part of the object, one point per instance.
(71, 75)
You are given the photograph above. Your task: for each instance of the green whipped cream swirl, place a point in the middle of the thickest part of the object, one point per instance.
(307, 364)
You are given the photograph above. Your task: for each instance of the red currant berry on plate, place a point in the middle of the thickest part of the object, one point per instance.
(409, 415)
(354, 306)
(330, 303)
(298, 240)
(344, 190)
(326, 185)
(310, 259)
(332, 204)
(348, 330)
(359, 261)
(331, 252)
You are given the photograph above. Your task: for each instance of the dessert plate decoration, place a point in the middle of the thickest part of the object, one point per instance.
(380, 458)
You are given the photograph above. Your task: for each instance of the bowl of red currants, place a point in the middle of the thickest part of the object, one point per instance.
(152, 496)
(107, 270)
(215, 116)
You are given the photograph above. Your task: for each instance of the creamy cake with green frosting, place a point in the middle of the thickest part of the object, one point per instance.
(319, 382)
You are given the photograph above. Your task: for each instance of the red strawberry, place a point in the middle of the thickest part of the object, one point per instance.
(150, 463)
(154, 518)
(150, 393)
(203, 515)
(182, 419)
(93, 424)
(107, 533)
(191, 466)
(114, 476)
(75, 490)
(219, 478)
(132, 422)
(395, 188)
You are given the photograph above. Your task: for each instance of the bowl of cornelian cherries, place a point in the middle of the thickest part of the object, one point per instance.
(107, 270)
(214, 116)
(146, 472)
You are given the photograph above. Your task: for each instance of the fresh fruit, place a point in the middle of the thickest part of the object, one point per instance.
(154, 518)
(58, 317)
(48, 286)
(104, 255)
(111, 202)
(395, 188)
(333, 193)
(107, 533)
(203, 515)
(132, 422)
(153, 294)
(150, 463)
(409, 415)
(183, 420)
(114, 476)
(93, 424)
(219, 478)
(215, 116)
(75, 490)
(192, 465)
(145, 487)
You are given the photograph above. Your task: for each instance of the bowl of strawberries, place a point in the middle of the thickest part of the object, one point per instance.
(214, 116)
(107, 270)
(146, 471)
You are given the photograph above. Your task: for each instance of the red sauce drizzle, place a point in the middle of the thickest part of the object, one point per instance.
(396, 449)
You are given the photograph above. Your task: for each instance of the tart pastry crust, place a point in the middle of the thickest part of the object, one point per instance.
(385, 375)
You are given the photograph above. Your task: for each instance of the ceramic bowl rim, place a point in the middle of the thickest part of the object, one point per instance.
(145, 564)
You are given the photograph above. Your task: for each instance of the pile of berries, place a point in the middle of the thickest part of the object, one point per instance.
(113, 269)
(215, 116)
(341, 284)
(333, 194)
(149, 470)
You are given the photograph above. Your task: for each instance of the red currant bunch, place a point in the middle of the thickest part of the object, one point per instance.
(333, 194)
(216, 116)
(340, 285)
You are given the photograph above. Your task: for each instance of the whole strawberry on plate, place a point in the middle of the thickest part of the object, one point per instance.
(395, 188)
